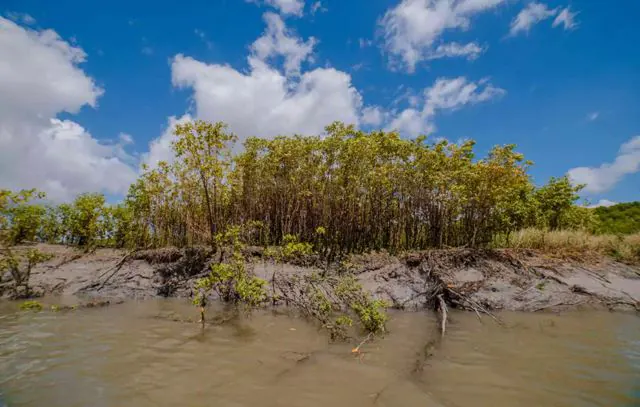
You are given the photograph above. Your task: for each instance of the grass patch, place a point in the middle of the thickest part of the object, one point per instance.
(574, 243)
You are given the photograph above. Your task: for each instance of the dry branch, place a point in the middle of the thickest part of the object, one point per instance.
(443, 313)
(475, 304)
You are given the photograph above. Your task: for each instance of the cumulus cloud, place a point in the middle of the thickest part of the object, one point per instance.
(160, 149)
(372, 116)
(445, 94)
(40, 77)
(278, 41)
(606, 176)
(264, 102)
(412, 28)
(566, 18)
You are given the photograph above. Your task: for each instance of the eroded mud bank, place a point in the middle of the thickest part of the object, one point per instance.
(469, 279)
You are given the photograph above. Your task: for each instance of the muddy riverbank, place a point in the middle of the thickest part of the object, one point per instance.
(493, 280)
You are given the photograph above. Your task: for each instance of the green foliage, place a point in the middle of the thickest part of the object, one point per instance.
(86, 225)
(20, 266)
(370, 312)
(344, 320)
(231, 281)
(204, 150)
(31, 306)
(293, 248)
(345, 191)
(20, 219)
(556, 202)
(619, 219)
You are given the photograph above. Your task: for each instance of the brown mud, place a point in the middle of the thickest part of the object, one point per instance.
(476, 280)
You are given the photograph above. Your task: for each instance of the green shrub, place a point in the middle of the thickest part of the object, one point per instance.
(231, 281)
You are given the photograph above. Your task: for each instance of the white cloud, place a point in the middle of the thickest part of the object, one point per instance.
(39, 78)
(566, 18)
(537, 12)
(412, 122)
(412, 28)
(445, 94)
(606, 176)
(39, 74)
(470, 51)
(160, 149)
(593, 116)
(265, 101)
(372, 116)
(277, 40)
(317, 6)
(125, 138)
(147, 51)
(530, 16)
(603, 202)
(286, 7)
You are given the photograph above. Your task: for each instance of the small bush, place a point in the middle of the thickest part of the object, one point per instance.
(292, 248)
(371, 315)
(231, 281)
(370, 312)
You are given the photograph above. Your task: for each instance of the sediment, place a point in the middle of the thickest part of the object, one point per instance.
(475, 280)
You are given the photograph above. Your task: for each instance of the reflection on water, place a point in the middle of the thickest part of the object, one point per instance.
(126, 356)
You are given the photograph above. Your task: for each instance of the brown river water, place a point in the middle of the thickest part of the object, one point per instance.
(136, 355)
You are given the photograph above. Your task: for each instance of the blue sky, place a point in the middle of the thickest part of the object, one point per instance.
(561, 79)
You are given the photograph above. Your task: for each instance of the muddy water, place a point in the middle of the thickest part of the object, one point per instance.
(136, 355)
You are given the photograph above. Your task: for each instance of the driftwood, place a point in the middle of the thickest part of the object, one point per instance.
(443, 314)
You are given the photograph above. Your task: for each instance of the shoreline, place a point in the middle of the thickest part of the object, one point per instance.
(493, 280)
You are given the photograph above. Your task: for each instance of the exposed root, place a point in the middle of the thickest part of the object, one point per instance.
(475, 306)
(115, 269)
(159, 256)
(68, 260)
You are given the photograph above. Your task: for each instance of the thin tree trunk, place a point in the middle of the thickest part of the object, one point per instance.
(212, 226)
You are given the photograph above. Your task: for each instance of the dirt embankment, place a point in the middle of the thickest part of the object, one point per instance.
(470, 279)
